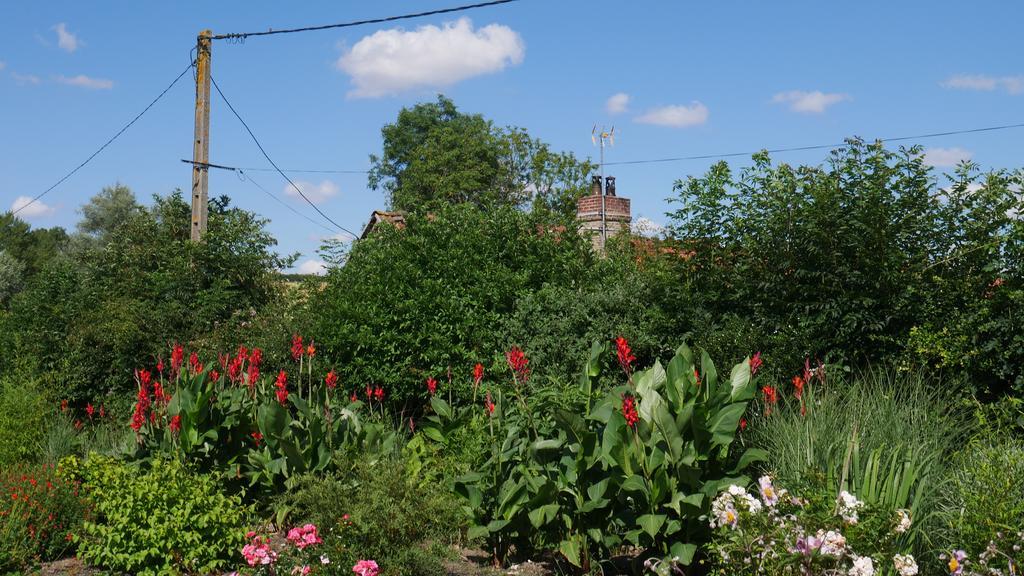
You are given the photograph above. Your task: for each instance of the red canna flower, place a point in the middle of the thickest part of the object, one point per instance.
(478, 374)
(770, 398)
(297, 348)
(624, 354)
(63, 405)
(281, 385)
(175, 425)
(755, 363)
(177, 357)
(807, 369)
(256, 357)
(257, 438)
(90, 410)
(489, 403)
(354, 397)
(518, 362)
(78, 424)
(743, 424)
(310, 350)
(369, 392)
(243, 353)
(431, 385)
(331, 380)
(193, 362)
(144, 377)
(798, 387)
(103, 411)
(629, 410)
(696, 376)
(378, 394)
(214, 375)
(160, 366)
(252, 375)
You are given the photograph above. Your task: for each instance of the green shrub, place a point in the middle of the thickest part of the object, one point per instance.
(984, 500)
(164, 519)
(39, 513)
(23, 416)
(378, 512)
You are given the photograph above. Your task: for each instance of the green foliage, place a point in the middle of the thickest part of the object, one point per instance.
(377, 511)
(24, 413)
(883, 435)
(414, 302)
(85, 323)
(594, 481)
(33, 247)
(39, 512)
(862, 259)
(984, 500)
(164, 519)
(434, 154)
(105, 212)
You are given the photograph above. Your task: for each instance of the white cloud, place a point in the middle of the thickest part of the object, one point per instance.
(33, 210)
(809, 102)
(644, 226)
(617, 104)
(985, 83)
(318, 267)
(84, 81)
(676, 116)
(946, 156)
(392, 61)
(67, 41)
(317, 193)
(23, 79)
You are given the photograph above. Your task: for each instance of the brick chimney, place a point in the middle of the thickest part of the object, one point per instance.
(617, 216)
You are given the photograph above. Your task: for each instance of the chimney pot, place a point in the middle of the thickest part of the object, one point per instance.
(609, 186)
(595, 186)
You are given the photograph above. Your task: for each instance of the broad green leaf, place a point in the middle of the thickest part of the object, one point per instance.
(684, 552)
(570, 548)
(724, 424)
(742, 386)
(651, 523)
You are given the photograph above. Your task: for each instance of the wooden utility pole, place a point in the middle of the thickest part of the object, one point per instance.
(201, 145)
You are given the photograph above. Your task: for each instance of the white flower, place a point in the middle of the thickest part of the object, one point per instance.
(767, 491)
(862, 566)
(832, 543)
(324, 559)
(902, 521)
(905, 565)
(725, 508)
(848, 506)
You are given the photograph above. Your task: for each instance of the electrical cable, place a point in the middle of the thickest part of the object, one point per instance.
(814, 147)
(246, 178)
(267, 156)
(105, 144)
(243, 35)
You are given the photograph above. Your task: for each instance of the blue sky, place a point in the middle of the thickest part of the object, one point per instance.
(675, 79)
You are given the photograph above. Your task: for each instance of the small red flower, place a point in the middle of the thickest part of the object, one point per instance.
(256, 357)
(177, 357)
(297, 348)
(90, 410)
(310, 350)
(331, 380)
(281, 385)
(160, 366)
(78, 424)
(214, 375)
(431, 385)
(798, 387)
(252, 375)
(193, 362)
(63, 405)
(770, 397)
(354, 397)
(489, 403)
(629, 410)
(755, 363)
(378, 394)
(369, 392)
(624, 354)
(743, 424)
(175, 425)
(257, 437)
(478, 374)
(518, 362)
(103, 411)
(696, 376)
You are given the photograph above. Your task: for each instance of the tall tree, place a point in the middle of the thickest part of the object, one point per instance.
(110, 208)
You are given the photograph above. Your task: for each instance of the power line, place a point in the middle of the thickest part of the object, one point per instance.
(243, 35)
(816, 146)
(300, 171)
(267, 156)
(105, 144)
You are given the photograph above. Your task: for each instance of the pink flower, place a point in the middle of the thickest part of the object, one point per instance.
(366, 568)
(304, 536)
(755, 363)
(258, 552)
(303, 570)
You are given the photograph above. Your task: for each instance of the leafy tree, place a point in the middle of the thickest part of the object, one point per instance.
(435, 154)
(414, 302)
(11, 273)
(33, 247)
(106, 211)
(87, 323)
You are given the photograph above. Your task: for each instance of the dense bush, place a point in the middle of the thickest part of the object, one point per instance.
(984, 502)
(85, 322)
(159, 519)
(40, 513)
(415, 302)
(378, 511)
(23, 416)
(862, 259)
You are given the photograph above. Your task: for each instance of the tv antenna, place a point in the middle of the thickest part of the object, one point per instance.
(607, 137)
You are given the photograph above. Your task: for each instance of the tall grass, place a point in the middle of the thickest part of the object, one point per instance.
(884, 435)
